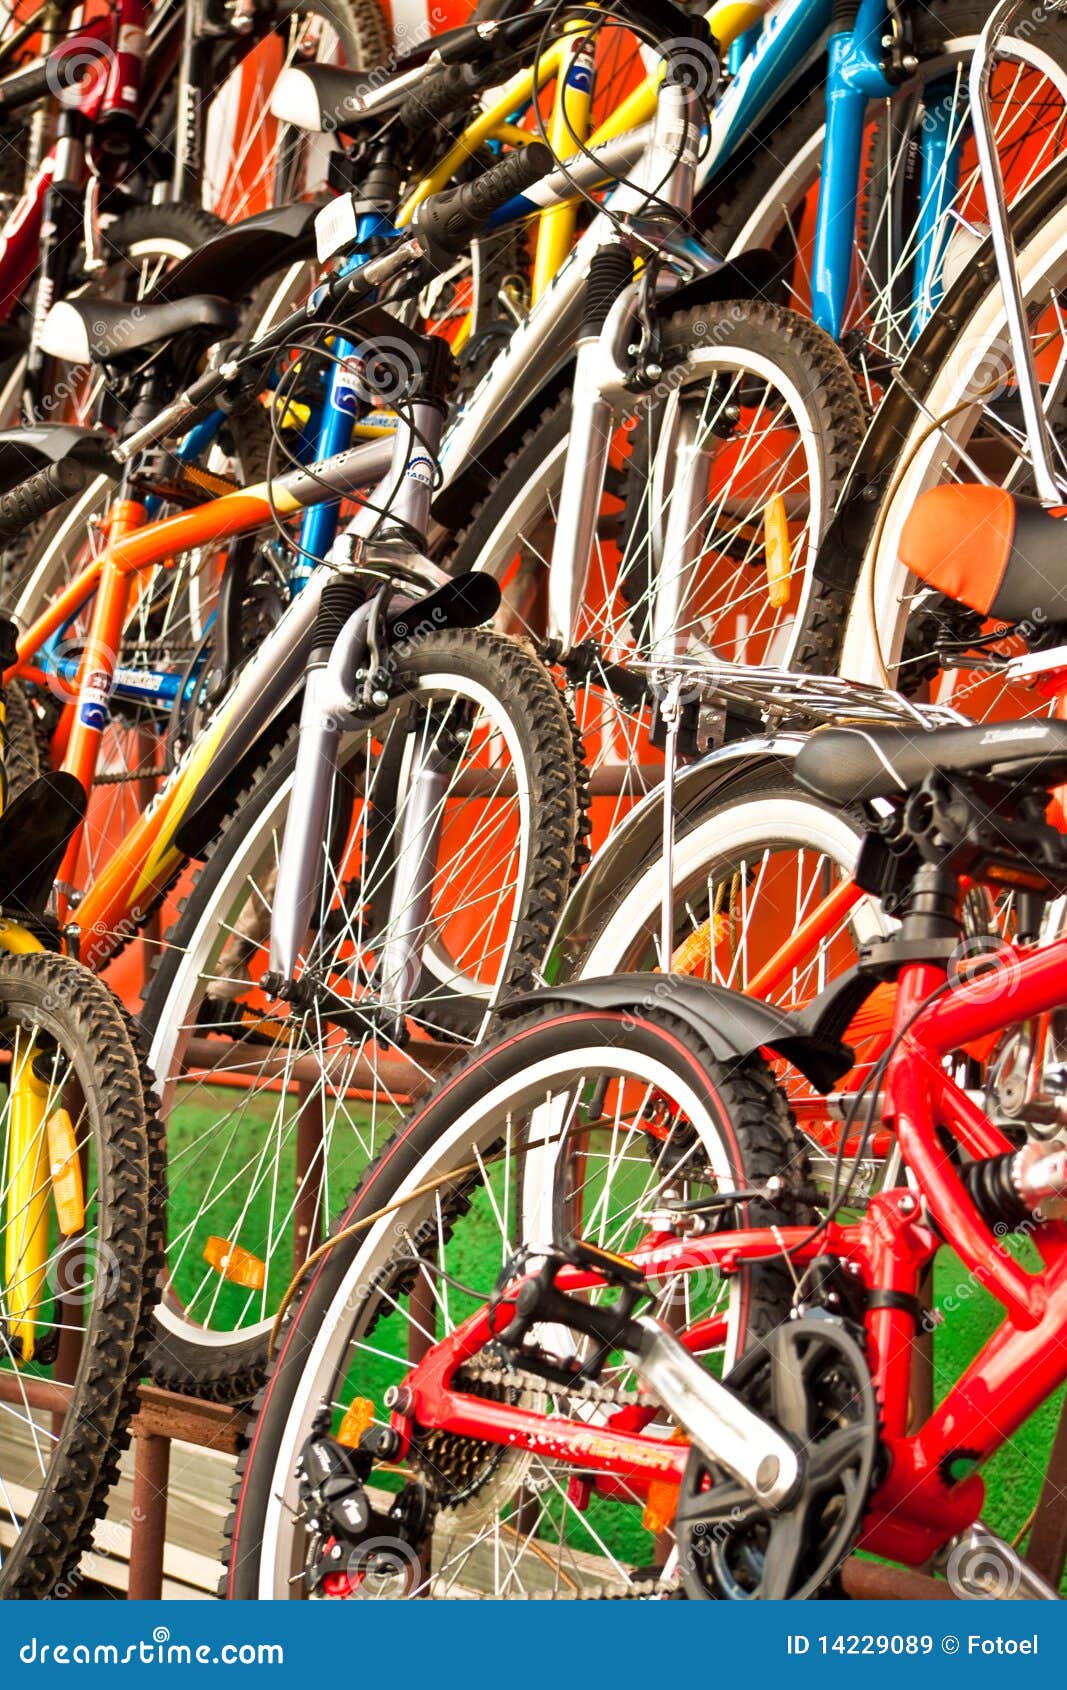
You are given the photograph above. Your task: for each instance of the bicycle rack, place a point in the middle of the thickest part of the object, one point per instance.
(164, 1418)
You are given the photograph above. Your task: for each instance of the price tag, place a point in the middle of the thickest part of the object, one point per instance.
(335, 227)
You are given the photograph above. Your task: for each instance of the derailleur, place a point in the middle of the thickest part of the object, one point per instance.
(354, 1543)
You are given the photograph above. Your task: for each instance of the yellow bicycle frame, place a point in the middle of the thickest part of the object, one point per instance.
(569, 123)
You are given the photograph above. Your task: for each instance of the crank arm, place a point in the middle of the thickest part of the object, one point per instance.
(728, 1433)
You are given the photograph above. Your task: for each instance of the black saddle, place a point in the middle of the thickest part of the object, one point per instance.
(855, 765)
(101, 331)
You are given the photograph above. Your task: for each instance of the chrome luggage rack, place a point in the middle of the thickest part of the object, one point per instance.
(784, 699)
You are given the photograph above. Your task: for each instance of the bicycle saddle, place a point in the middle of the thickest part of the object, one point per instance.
(855, 765)
(999, 553)
(101, 331)
(320, 98)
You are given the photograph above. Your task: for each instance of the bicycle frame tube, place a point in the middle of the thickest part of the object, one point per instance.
(939, 184)
(854, 78)
(147, 861)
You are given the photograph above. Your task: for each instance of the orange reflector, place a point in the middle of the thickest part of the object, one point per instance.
(358, 1416)
(266, 1026)
(694, 954)
(239, 1266)
(778, 551)
(662, 1503)
(64, 1166)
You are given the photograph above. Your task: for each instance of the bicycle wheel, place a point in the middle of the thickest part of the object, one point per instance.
(719, 489)
(615, 1111)
(762, 902)
(21, 760)
(913, 233)
(963, 423)
(273, 1109)
(80, 1255)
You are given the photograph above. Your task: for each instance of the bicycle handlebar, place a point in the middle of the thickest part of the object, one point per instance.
(448, 222)
(40, 493)
(25, 87)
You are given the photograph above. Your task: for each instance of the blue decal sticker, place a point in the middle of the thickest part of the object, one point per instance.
(93, 715)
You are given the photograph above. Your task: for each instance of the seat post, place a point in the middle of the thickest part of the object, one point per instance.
(932, 912)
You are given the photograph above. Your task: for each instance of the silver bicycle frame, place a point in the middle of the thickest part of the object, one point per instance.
(1038, 435)
(329, 708)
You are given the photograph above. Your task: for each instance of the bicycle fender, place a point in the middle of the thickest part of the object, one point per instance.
(750, 275)
(24, 451)
(731, 1025)
(640, 835)
(35, 829)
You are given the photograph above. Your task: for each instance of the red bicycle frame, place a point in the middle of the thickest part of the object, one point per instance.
(97, 75)
(931, 1490)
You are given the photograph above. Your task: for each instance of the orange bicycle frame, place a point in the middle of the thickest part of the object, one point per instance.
(147, 861)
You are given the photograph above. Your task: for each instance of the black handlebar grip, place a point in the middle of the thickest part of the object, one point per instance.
(439, 94)
(25, 86)
(41, 493)
(448, 222)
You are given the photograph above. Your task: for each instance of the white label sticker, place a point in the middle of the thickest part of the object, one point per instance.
(335, 227)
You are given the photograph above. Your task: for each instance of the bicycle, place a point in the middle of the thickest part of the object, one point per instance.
(619, 1176)
(769, 528)
(751, 601)
(80, 1213)
(418, 732)
(126, 91)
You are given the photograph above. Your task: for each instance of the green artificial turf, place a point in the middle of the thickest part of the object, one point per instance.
(969, 1316)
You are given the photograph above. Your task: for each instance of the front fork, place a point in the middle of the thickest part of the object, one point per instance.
(330, 707)
(41, 1157)
(318, 529)
(61, 222)
(604, 357)
(28, 1190)
(854, 77)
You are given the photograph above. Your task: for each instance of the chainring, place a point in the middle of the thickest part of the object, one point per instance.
(809, 1379)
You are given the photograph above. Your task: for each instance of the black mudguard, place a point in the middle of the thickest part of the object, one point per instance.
(34, 832)
(731, 1025)
(239, 257)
